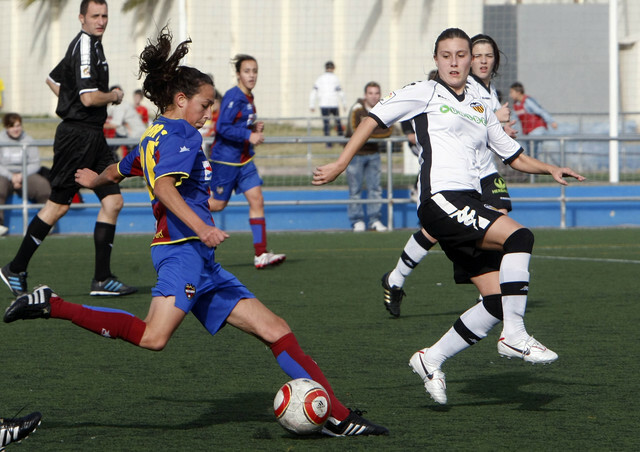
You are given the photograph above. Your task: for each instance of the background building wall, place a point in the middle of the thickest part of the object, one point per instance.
(560, 46)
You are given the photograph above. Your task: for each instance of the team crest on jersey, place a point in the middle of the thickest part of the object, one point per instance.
(190, 291)
(477, 106)
(219, 190)
(389, 96)
(85, 71)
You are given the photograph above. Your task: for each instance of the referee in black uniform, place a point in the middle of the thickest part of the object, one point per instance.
(81, 82)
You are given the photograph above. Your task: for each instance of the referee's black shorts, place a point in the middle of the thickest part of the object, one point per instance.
(76, 146)
(458, 219)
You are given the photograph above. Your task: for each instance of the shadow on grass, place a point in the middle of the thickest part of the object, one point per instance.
(238, 408)
(508, 389)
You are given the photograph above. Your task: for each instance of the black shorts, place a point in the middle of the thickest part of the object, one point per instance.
(495, 193)
(456, 217)
(78, 146)
(469, 261)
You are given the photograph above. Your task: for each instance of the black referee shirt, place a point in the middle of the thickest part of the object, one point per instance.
(83, 69)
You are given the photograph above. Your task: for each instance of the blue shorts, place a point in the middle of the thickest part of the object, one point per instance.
(188, 272)
(227, 178)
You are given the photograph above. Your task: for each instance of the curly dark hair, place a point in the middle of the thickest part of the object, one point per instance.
(164, 77)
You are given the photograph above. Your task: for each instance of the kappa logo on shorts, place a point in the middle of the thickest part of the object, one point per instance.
(465, 216)
(190, 291)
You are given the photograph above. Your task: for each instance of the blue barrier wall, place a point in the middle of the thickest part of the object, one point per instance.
(327, 217)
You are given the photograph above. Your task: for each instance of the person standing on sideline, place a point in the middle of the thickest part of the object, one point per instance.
(453, 131)
(329, 95)
(232, 153)
(534, 120)
(177, 173)
(38, 187)
(365, 166)
(81, 82)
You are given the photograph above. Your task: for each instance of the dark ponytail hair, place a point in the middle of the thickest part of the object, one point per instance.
(164, 77)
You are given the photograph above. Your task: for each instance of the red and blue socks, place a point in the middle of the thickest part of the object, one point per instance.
(107, 322)
(259, 231)
(295, 363)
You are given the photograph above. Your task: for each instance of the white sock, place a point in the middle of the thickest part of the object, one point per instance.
(514, 269)
(411, 256)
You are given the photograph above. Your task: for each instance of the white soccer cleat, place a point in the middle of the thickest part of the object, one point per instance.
(359, 226)
(268, 259)
(378, 226)
(433, 377)
(529, 350)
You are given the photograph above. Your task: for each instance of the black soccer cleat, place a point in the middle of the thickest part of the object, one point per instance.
(33, 305)
(111, 287)
(353, 425)
(392, 296)
(17, 282)
(15, 430)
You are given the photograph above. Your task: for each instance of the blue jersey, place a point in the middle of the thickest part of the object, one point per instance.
(233, 129)
(172, 148)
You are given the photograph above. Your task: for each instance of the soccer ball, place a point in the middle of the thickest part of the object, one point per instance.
(302, 406)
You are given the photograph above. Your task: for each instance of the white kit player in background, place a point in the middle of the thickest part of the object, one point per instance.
(453, 132)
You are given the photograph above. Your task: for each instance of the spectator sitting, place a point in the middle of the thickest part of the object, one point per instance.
(126, 121)
(38, 187)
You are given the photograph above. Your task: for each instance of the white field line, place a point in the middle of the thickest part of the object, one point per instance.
(588, 259)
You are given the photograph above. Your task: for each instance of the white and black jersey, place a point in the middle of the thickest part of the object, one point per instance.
(477, 89)
(452, 134)
(83, 69)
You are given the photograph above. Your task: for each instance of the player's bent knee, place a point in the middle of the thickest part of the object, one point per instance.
(153, 341)
(276, 330)
(520, 241)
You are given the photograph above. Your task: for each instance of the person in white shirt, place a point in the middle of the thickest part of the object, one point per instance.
(454, 131)
(125, 119)
(330, 97)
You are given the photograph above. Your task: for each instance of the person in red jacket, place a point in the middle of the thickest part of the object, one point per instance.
(534, 119)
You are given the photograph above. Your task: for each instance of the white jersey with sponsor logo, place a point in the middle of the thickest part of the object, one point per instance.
(452, 133)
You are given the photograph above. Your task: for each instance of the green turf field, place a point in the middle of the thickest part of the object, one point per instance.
(203, 393)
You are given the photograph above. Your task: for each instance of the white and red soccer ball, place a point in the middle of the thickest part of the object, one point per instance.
(302, 406)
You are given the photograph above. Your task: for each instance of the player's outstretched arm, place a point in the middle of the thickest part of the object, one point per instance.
(90, 179)
(166, 192)
(328, 173)
(531, 165)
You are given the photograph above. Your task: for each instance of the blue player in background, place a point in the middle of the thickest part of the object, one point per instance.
(232, 153)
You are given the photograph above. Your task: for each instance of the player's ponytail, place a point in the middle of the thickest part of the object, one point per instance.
(164, 77)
